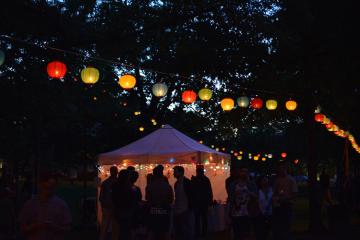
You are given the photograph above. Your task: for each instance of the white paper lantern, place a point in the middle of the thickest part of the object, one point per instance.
(243, 102)
(159, 89)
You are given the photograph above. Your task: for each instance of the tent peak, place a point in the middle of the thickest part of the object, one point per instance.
(167, 126)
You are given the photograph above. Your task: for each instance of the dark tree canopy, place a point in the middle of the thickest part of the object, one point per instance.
(271, 48)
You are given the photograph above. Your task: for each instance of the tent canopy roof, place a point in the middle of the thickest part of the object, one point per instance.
(163, 146)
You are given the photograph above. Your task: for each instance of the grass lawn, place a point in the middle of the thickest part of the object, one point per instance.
(73, 194)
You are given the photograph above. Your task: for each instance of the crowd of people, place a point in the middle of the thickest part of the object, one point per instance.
(182, 212)
(126, 214)
(260, 208)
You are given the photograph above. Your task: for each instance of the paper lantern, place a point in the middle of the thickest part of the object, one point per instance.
(243, 102)
(326, 121)
(291, 105)
(256, 103)
(2, 57)
(127, 81)
(205, 94)
(256, 158)
(141, 129)
(330, 125)
(227, 104)
(319, 117)
(90, 75)
(296, 161)
(342, 133)
(56, 69)
(271, 104)
(263, 159)
(159, 89)
(188, 96)
(239, 157)
(283, 155)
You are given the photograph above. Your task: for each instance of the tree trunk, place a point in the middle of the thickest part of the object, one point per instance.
(315, 222)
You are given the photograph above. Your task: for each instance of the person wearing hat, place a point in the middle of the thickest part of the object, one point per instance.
(202, 200)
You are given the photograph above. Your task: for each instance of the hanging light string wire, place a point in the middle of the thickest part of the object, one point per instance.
(125, 65)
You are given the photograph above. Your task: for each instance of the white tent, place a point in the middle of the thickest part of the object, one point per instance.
(169, 147)
(163, 146)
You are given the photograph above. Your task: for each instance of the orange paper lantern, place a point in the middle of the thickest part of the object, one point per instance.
(291, 105)
(127, 81)
(227, 104)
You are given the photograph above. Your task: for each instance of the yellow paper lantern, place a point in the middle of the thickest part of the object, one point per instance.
(205, 94)
(90, 75)
(326, 120)
(141, 129)
(256, 158)
(127, 81)
(291, 105)
(227, 104)
(271, 104)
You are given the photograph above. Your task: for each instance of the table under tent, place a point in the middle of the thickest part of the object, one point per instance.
(169, 147)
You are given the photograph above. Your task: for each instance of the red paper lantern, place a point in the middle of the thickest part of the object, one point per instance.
(257, 103)
(330, 125)
(319, 117)
(296, 161)
(56, 69)
(189, 96)
(283, 155)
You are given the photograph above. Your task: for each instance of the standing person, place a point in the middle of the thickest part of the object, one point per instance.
(45, 216)
(159, 195)
(285, 191)
(182, 203)
(105, 200)
(240, 194)
(230, 180)
(124, 205)
(202, 200)
(263, 221)
(134, 175)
